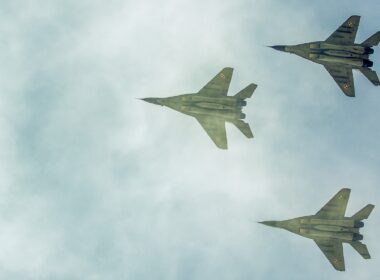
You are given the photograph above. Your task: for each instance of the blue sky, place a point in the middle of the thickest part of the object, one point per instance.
(95, 184)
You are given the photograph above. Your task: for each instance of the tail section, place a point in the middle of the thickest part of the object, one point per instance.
(370, 75)
(357, 245)
(244, 128)
(373, 40)
(363, 213)
(241, 125)
(247, 92)
(361, 249)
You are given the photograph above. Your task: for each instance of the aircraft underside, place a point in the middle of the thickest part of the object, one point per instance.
(348, 59)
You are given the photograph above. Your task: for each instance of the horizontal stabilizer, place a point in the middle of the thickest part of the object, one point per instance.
(244, 128)
(373, 40)
(363, 213)
(247, 92)
(361, 249)
(370, 75)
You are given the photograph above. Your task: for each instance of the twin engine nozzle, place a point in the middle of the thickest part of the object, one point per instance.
(368, 50)
(367, 63)
(242, 103)
(357, 237)
(358, 224)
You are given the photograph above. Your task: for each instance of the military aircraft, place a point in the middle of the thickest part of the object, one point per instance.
(212, 107)
(329, 228)
(339, 54)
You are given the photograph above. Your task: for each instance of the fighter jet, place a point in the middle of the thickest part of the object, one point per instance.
(212, 107)
(339, 54)
(329, 228)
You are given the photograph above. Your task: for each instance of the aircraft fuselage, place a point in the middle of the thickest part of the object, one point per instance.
(354, 56)
(227, 108)
(346, 230)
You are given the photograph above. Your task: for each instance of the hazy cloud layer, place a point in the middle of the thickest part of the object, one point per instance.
(96, 184)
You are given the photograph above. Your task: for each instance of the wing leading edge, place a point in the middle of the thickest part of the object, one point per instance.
(219, 85)
(346, 33)
(336, 207)
(216, 129)
(333, 250)
(343, 77)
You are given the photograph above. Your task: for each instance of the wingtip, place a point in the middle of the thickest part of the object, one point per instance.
(222, 146)
(228, 68)
(253, 86)
(349, 94)
(372, 206)
(346, 191)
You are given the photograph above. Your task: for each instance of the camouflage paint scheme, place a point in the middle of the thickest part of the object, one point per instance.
(339, 54)
(329, 228)
(212, 107)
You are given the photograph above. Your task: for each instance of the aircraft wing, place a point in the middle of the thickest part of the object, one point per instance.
(219, 85)
(336, 207)
(333, 250)
(346, 33)
(216, 129)
(343, 77)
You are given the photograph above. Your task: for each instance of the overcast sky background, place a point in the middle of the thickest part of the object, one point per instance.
(95, 184)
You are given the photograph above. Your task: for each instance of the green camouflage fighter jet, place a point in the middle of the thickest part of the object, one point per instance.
(329, 228)
(212, 107)
(339, 54)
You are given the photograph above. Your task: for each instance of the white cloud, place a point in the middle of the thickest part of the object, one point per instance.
(100, 185)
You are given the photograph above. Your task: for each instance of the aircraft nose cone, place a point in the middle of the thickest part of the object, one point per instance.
(278, 48)
(269, 223)
(151, 100)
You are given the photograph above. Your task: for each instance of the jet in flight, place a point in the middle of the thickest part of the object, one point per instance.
(329, 228)
(212, 107)
(339, 54)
